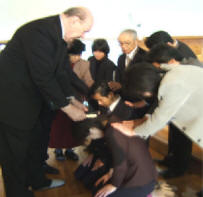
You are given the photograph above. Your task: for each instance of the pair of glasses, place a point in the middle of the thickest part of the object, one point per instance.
(124, 43)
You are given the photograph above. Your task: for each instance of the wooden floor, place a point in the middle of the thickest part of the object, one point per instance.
(187, 185)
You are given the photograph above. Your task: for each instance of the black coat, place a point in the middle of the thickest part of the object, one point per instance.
(101, 70)
(33, 69)
(185, 50)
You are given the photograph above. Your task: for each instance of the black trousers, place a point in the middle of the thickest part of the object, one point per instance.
(88, 177)
(20, 158)
(179, 149)
(46, 118)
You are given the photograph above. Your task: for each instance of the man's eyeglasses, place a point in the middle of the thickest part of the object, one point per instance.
(124, 43)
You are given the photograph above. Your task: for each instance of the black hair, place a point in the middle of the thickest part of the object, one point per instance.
(102, 88)
(141, 77)
(77, 47)
(101, 45)
(163, 53)
(81, 129)
(158, 37)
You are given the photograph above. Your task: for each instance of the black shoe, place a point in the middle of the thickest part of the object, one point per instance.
(49, 169)
(163, 162)
(167, 161)
(54, 184)
(167, 174)
(59, 155)
(200, 193)
(70, 154)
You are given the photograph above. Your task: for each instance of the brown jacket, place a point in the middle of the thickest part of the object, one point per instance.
(82, 69)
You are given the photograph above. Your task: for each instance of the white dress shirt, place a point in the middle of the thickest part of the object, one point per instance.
(130, 56)
(62, 26)
(114, 104)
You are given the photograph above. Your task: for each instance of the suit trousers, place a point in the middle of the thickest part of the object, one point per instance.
(180, 149)
(20, 160)
(46, 118)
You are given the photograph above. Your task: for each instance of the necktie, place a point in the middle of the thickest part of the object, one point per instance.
(127, 61)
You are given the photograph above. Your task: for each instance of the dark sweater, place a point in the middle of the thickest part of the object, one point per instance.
(101, 70)
(132, 162)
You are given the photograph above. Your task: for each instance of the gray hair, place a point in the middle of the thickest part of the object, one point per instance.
(132, 32)
(80, 12)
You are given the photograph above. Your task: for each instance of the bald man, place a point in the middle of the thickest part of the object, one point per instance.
(33, 74)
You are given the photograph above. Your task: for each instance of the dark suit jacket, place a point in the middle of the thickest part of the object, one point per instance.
(185, 50)
(32, 70)
(139, 57)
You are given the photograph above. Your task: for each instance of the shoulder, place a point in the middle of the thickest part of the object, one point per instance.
(83, 63)
(43, 22)
(141, 51)
(181, 76)
(110, 62)
(48, 27)
(91, 59)
(122, 56)
(185, 50)
(191, 61)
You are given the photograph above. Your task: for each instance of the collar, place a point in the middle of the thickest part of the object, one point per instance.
(132, 53)
(114, 104)
(62, 26)
(176, 43)
(167, 67)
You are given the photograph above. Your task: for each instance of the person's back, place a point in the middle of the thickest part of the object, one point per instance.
(82, 69)
(16, 61)
(131, 159)
(185, 84)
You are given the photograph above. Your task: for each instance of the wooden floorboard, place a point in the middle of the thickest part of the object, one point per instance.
(160, 143)
(190, 182)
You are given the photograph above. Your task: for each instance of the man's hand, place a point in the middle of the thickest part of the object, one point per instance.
(75, 113)
(139, 121)
(127, 127)
(114, 85)
(138, 104)
(98, 164)
(104, 178)
(106, 190)
(88, 160)
(78, 104)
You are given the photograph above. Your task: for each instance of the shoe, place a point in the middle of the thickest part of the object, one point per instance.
(70, 154)
(165, 162)
(162, 162)
(162, 189)
(54, 183)
(59, 155)
(167, 174)
(49, 169)
(200, 193)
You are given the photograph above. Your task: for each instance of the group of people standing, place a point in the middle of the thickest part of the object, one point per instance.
(43, 79)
